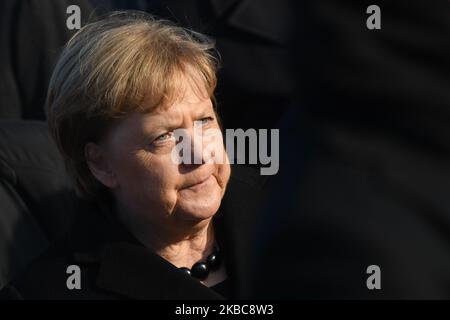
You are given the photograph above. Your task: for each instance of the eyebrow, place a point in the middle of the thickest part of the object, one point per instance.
(205, 109)
(171, 124)
(165, 124)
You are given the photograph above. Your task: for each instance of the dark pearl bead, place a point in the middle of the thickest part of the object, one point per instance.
(200, 270)
(214, 261)
(185, 271)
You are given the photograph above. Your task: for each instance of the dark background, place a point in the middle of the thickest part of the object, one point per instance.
(364, 119)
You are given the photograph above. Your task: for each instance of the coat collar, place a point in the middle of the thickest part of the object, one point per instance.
(124, 267)
(131, 270)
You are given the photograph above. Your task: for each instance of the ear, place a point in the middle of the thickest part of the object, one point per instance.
(99, 164)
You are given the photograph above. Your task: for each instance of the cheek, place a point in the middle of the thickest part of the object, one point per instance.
(214, 153)
(223, 175)
(222, 163)
(151, 176)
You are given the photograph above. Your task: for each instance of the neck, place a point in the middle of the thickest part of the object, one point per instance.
(180, 242)
(187, 248)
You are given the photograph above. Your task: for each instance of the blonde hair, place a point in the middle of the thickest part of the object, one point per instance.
(107, 70)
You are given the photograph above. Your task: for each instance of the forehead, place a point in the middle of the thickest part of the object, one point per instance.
(191, 98)
(190, 103)
(187, 86)
(188, 95)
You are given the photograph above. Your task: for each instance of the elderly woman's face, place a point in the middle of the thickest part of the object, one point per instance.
(145, 178)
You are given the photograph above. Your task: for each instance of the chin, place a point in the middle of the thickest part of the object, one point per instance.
(199, 209)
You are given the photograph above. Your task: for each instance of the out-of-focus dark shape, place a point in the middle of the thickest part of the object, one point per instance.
(37, 199)
(102, 7)
(256, 82)
(253, 37)
(32, 32)
(365, 170)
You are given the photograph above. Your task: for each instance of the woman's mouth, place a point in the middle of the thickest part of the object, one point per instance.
(200, 184)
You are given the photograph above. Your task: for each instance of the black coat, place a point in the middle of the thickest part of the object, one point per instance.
(116, 266)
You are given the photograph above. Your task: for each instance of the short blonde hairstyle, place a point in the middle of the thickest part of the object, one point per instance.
(107, 70)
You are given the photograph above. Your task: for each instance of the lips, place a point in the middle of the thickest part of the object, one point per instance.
(198, 183)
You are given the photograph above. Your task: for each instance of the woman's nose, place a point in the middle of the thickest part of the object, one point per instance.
(197, 156)
(191, 150)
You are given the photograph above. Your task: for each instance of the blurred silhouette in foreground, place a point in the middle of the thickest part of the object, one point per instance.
(365, 173)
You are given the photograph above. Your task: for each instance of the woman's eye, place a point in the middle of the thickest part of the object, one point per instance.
(164, 137)
(206, 120)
